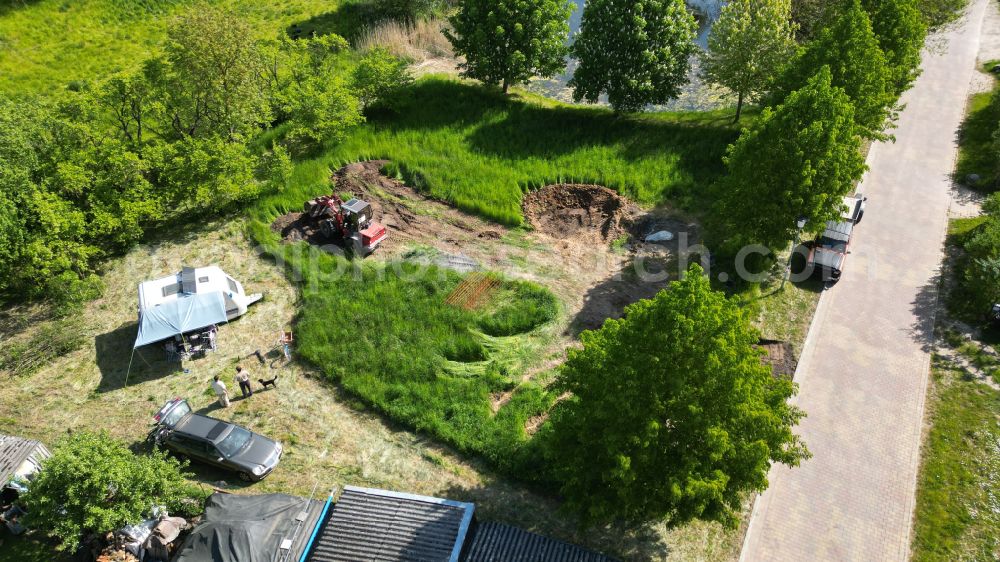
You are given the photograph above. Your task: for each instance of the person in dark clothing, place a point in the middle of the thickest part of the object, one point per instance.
(243, 378)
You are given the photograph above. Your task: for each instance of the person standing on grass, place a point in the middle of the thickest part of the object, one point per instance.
(243, 379)
(220, 390)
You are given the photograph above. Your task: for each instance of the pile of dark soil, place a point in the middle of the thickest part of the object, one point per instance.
(579, 210)
(780, 356)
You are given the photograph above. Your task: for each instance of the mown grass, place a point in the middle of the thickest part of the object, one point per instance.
(957, 514)
(46, 44)
(481, 151)
(977, 149)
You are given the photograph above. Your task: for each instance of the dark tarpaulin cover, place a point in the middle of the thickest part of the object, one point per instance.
(250, 529)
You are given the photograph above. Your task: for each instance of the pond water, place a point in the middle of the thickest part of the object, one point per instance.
(696, 95)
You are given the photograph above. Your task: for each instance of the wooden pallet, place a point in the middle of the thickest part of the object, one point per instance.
(473, 291)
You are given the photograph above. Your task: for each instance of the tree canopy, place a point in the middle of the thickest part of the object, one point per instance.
(636, 52)
(900, 30)
(94, 483)
(507, 42)
(86, 172)
(749, 45)
(798, 160)
(672, 415)
(857, 64)
(211, 79)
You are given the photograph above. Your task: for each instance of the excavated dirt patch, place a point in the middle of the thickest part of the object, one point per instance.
(574, 210)
(410, 217)
(780, 356)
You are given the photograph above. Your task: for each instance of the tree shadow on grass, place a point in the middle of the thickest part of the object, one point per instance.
(7, 6)
(348, 21)
(114, 351)
(529, 130)
(507, 127)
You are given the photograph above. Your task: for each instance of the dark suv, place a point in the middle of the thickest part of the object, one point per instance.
(214, 442)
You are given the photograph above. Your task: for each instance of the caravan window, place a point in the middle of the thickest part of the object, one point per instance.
(232, 285)
(203, 279)
(171, 289)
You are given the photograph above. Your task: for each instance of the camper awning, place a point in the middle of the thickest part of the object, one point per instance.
(188, 313)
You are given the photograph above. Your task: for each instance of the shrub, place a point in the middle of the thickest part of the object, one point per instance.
(379, 77)
(94, 483)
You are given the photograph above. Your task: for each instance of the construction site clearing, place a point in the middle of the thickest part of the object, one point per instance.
(584, 242)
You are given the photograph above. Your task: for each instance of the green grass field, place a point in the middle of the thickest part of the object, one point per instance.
(481, 151)
(47, 44)
(957, 515)
(977, 151)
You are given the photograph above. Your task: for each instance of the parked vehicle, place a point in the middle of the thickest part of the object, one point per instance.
(855, 209)
(828, 253)
(215, 442)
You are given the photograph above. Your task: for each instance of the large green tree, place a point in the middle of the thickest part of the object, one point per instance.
(749, 45)
(672, 415)
(901, 30)
(857, 64)
(94, 483)
(212, 79)
(798, 160)
(507, 42)
(636, 51)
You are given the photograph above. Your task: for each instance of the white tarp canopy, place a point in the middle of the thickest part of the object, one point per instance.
(188, 313)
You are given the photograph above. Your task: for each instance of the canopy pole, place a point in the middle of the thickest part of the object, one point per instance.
(130, 358)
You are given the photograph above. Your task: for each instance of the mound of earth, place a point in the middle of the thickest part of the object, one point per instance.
(579, 210)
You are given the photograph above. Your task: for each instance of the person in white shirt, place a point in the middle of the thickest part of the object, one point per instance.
(243, 379)
(220, 390)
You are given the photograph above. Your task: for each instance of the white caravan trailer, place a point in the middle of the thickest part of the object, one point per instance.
(194, 299)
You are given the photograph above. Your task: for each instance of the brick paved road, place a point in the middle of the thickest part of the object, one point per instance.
(863, 372)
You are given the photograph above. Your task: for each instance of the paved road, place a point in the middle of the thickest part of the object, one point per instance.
(863, 372)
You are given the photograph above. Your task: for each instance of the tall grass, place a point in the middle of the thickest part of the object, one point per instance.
(416, 42)
(481, 151)
(384, 332)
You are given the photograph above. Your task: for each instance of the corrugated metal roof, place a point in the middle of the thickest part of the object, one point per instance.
(496, 542)
(840, 231)
(367, 525)
(14, 451)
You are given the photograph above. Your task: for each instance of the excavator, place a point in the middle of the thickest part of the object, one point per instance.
(349, 221)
